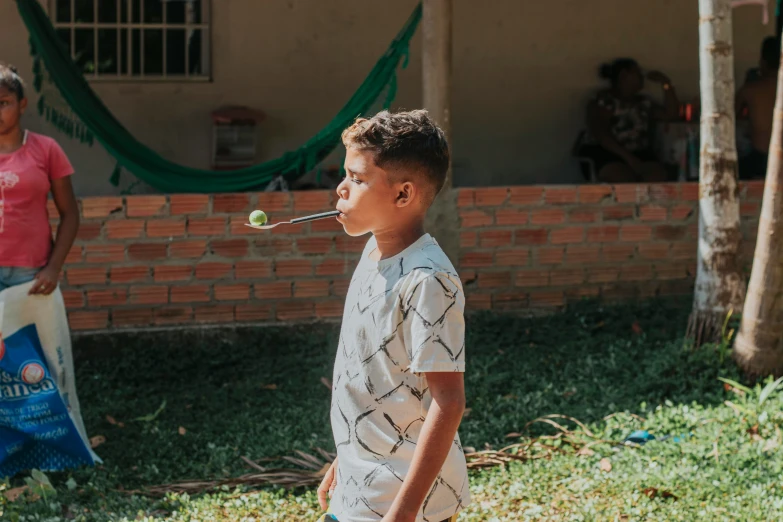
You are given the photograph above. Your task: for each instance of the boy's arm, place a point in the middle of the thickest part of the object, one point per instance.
(435, 442)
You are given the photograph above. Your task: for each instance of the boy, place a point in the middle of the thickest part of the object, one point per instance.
(398, 393)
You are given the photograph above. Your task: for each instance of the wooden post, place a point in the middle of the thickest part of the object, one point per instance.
(436, 63)
(442, 219)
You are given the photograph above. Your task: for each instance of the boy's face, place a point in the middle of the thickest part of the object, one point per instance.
(11, 109)
(369, 200)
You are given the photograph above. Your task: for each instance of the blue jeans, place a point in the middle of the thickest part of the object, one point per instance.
(15, 275)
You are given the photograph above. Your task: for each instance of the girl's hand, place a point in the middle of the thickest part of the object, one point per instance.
(45, 281)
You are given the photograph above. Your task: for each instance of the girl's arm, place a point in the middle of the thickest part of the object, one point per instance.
(65, 200)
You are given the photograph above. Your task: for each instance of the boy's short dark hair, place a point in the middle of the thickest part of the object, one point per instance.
(770, 52)
(410, 140)
(11, 80)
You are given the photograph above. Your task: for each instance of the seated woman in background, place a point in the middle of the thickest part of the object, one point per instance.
(756, 102)
(619, 124)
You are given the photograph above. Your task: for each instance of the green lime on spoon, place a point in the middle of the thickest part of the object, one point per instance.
(258, 218)
(261, 217)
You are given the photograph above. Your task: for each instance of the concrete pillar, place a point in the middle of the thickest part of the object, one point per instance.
(436, 24)
(436, 62)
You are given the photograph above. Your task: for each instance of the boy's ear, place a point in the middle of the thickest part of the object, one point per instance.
(406, 193)
(23, 104)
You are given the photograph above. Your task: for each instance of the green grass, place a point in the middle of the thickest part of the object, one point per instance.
(588, 362)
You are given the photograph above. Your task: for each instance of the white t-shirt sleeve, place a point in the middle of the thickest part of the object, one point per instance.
(435, 325)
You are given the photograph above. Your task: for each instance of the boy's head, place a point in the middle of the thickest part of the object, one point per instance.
(395, 165)
(12, 99)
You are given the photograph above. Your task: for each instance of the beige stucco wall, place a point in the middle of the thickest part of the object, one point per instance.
(522, 73)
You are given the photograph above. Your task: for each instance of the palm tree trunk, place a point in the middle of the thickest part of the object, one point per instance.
(759, 345)
(720, 286)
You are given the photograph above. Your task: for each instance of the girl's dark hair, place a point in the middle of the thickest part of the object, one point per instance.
(612, 71)
(11, 80)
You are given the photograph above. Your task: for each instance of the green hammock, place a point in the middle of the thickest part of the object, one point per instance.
(146, 164)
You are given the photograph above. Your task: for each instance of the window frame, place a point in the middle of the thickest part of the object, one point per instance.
(124, 77)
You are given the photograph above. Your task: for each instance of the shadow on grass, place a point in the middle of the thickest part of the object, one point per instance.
(257, 392)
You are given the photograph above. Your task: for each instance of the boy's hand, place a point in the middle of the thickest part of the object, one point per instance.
(398, 518)
(327, 485)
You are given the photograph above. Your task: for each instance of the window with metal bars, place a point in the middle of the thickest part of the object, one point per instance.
(136, 39)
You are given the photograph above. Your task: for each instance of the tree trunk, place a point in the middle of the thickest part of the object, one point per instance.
(759, 345)
(720, 286)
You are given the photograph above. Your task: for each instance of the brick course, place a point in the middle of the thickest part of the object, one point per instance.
(143, 261)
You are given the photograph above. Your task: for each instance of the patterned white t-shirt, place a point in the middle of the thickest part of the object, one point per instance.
(403, 317)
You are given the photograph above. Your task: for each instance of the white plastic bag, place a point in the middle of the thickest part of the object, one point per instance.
(41, 424)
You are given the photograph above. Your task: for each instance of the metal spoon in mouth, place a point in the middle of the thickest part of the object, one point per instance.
(324, 215)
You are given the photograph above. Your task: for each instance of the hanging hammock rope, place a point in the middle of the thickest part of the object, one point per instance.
(90, 119)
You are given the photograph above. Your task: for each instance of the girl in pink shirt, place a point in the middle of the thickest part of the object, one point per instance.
(31, 166)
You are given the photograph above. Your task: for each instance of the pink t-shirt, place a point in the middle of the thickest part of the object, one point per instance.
(25, 182)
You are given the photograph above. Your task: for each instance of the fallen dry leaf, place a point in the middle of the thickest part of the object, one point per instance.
(753, 431)
(513, 435)
(114, 422)
(12, 494)
(182, 430)
(732, 389)
(636, 328)
(97, 441)
(326, 382)
(585, 452)
(654, 492)
(111, 420)
(606, 465)
(269, 386)
(466, 413)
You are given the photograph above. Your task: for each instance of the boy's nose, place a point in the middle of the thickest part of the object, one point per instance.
(341, 190)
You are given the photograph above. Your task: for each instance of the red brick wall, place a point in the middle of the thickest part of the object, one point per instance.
(541, 246)
(143, 261)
